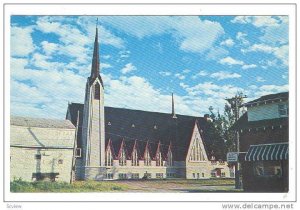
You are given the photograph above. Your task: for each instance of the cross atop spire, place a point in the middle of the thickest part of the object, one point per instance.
(95, 62)
(173, 108)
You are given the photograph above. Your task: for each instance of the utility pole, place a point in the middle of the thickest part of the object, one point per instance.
(235, 104)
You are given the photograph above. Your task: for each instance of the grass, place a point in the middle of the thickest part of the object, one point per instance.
(78, 186)
(118, 185)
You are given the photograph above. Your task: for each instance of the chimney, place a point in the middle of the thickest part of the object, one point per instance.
(207, 118)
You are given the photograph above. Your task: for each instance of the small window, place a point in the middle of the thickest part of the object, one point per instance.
(159, 175)
(60, 161)
(97, 91)
(38, 156)
(202, 174)
(109, 176)
(135, 176)
(122, 176)
(283, 110)
(78, 152)
(213, 174)
(223, 174)
(198, 176)
(267, 169)
(194, 175)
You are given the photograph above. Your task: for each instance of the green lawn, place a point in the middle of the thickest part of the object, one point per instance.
(153, 185)
(78, 186)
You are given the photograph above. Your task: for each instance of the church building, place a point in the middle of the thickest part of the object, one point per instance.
(119, 143)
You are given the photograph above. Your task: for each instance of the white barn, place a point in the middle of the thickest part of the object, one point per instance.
(41, 149)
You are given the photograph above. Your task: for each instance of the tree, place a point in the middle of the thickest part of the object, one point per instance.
(224, 139)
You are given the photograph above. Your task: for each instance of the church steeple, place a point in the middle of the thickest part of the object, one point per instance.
(95, 62)
(173, 108)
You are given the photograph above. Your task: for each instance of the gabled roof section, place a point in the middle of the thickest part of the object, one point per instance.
(269, 99)
(41, 122)
(37, 138)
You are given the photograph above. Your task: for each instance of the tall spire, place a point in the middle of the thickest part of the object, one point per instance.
(173, 108)
(95, 62)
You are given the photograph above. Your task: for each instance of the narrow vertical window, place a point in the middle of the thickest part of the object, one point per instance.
(147, 161)
(134, 158)
(97, 91)
(122, 160)
(170, 158)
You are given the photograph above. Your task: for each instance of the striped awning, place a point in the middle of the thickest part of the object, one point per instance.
(276, 151)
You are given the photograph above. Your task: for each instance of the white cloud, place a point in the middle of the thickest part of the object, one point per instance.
(221, 75)
(192, 33)
(124, 54)
(128, 68)
(227, 42)
(185, 71)
(249, 66)
(105, 65)
(260, 79)
(141, 95)
(49, 48)
(281, 52)
(274, 28)
(165, 73)
(240, 36)
(201, 73)
(21, 41)
(106, 56)
(216, 53)
(269, 89)
(258, 21)
(230, 61)
(179, 76)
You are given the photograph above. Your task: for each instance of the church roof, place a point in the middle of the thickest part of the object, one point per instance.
(142, 126)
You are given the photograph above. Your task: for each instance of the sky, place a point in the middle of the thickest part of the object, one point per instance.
(144, 59)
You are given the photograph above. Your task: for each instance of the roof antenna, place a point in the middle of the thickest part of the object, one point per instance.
(97, 23)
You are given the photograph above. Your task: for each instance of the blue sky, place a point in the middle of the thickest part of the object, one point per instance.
(144, 59)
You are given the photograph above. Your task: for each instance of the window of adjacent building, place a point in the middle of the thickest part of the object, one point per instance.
(223, 174)
(147, 158)
(283, 110)
(198, 176)
(108, 157)
(159, 175)
(97, 91)
(268, 168)
(213, 174)
(194, 175)
(38, 157)
(122, 159)
(202, 174)
(134, 158)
